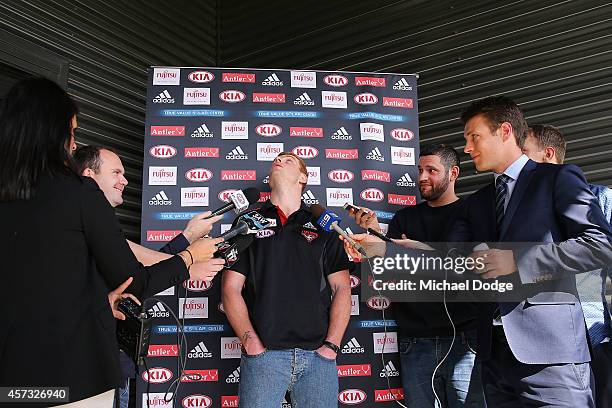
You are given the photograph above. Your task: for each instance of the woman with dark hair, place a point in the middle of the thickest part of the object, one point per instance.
(62, 252)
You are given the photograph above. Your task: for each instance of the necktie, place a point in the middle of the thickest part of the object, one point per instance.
(501, 192)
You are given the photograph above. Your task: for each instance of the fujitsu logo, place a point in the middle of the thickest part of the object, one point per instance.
(165, 74)
(198, 175)
(162, 173)
(370, 81)
(195, 93)
(201, 76)
(335, 80)
(268, 130)
(334, 97)
(157, 375)
(269, 149)
(162, 151)
(305, 152)
(339, 195)
(232, 96)
(302, 77)
(365, 98)
(340, 176)
(401, 134)
(234, 128)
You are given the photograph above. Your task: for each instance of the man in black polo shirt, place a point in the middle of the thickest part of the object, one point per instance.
(296, 301)
(424, 328)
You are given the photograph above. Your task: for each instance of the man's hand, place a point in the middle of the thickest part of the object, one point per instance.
(497, 262)
(252, 344)
(116, 295)
(412, 244)
(197, 227)
(203, 249)
(366, 218)
(326, 352)
(206, 271)
(373, 245)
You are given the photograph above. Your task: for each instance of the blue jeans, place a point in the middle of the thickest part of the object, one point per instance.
(312, 380)
(457, 381)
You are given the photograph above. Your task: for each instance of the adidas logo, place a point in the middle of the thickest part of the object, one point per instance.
(304, 99)
(160, 199)
(309, 198)
(199, 351)
(164, 97)
(272, 80)
(158, 310)
(266, 180)
(402, 85)
(310, 226)
(375, 154)
(352, 347)
(237, 154)
(405, 181)
(234, 377)
(202, 131)
(389, 371)
(285, 404)
(341, 134)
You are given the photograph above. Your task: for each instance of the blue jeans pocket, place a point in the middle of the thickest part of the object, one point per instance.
(405, 347)
(329, 360)
(255, 355)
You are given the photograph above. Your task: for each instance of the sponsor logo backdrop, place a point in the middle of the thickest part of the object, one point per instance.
(211, 131)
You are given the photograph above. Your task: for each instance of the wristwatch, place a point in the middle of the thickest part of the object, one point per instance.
(331, 346)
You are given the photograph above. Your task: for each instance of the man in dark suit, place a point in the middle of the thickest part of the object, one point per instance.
(535, 350)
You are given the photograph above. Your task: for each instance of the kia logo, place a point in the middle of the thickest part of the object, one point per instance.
(197, 286)
(352, 397)
(305, 152)
(335, 80)
(197, 400)
(372, 194)
(157, 375)
(162, 151)
(201, 76)
(365, 98)
(401, 134)
(355, 281)
(268, 130)
(340, 176)
(198, 175)
(225, 195)
(232, 96)
(265, 233)
(378, 303)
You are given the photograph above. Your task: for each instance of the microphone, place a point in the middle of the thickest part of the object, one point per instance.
(248, 223)
(379, 235)
(239, 201)
(329, 221)
(229, 250)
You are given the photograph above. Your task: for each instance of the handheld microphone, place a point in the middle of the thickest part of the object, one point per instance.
(248, 223)
(239, 201)
(379, 235)
(329, 221)
(230, 250)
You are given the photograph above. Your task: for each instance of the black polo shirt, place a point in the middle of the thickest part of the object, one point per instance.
(286, 291)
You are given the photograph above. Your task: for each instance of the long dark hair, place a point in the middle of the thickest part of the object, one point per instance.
(35, 124)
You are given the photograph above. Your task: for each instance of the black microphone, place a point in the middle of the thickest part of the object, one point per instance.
(230, 250)
(248, 223)
(379, 235)
(239, 201)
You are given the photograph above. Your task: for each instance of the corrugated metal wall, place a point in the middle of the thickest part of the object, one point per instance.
(553, 57)
(110, 45)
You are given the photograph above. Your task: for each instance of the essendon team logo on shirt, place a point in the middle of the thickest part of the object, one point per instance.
(309, 235)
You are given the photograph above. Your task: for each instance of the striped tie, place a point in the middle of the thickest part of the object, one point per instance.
(501, 191)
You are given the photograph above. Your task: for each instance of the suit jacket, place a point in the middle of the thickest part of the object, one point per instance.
(551, 205)
(62, 252)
